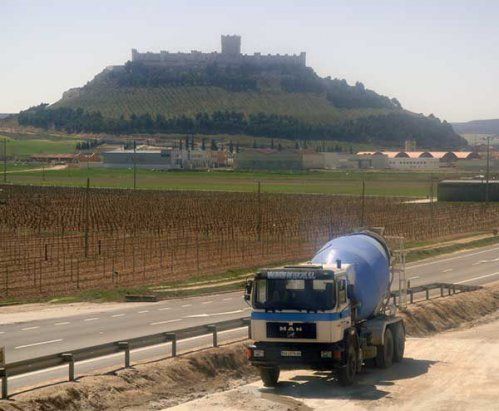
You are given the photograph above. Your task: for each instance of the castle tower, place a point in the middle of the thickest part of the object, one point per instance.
(231, 45)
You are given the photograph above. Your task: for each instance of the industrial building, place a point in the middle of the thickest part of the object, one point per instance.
(165, 159)
(268, 159)
(272, 159)
(413, 160)
(468, 190)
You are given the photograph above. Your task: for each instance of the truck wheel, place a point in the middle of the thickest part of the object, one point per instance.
(399, 342)
(269, 376)
(346, 375)
(384, 357)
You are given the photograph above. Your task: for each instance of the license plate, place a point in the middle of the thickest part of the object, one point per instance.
(290, 353)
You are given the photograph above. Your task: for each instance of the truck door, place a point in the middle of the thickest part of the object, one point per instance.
(343, 303)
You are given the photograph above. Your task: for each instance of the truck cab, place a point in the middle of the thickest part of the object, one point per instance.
(305, 317)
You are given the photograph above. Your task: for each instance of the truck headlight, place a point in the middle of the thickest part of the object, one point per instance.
(258, 353)
(326, 354)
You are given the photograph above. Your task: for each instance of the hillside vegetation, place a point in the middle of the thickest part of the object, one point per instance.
(280, 101)
(478, 127)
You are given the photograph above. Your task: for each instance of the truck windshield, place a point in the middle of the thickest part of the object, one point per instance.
(282, 294)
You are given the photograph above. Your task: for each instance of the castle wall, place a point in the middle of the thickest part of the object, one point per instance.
(231, 55)
(198, 58)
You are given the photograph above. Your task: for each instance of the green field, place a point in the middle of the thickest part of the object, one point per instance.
(24, 146)
(381, 183)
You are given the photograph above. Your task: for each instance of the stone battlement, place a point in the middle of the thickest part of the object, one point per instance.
(230, 55)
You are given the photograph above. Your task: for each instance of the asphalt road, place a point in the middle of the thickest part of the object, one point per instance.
(36, 338)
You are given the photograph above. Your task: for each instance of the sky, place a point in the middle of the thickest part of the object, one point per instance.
(439, 57)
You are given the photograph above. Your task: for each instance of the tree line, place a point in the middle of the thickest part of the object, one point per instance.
(137, 74)
(393, 128)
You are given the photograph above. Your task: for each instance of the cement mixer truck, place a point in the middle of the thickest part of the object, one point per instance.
(332, 313)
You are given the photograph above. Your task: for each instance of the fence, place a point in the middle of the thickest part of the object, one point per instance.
(57, 241)
(70, 357)
(125, 346)
(443, 288)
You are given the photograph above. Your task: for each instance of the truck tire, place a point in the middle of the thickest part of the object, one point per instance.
(384, 356)
(399, 342)
(269, 376)
(346, 374)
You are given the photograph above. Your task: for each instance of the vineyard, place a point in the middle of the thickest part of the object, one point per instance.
(175, 101)
(56, 241)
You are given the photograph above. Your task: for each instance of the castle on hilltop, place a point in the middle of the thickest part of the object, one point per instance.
(230, 55)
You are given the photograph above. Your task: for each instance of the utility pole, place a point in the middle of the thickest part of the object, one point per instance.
(259, 215)
(86, 216)
(487, 172)
(431, 189)
(363, 203)
(134, 165)
(4, 160)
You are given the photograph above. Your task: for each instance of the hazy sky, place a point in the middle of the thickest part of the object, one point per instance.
(439, 56)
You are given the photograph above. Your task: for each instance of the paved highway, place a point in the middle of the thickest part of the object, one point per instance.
(36, 338)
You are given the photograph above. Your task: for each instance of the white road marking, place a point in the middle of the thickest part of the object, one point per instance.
(483, 262)
(477, 278)
(2, 332)
(210, 315)
(206, 302)
(186, 305)
(91, 319)
(39, 343)
(63, 323)
(144, 311)
(227, 299)
(415, 277)
(121, 354)
(166, 322)
(448, 270)
(29, 328)
(117, 315)
(163, 309)
(451, 258)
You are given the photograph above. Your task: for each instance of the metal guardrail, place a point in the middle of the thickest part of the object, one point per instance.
(125, 346)
(445, 288)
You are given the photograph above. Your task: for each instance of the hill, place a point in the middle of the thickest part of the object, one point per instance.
(477, 127)
(273, 101)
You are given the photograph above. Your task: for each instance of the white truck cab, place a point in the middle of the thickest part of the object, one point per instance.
(304, 317)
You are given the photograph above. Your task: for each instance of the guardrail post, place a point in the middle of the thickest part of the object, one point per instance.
(427, 293)
(248, 323)
(5, 386)
(449, 290)
(411, 295)
(215, 337)
(71, 365)
(441, 291)
(394, 299)
(173, 338)
(126, 347)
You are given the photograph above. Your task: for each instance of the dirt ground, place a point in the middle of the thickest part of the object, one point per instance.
(457, 369)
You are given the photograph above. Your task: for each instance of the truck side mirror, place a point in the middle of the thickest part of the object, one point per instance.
(350, 291)
(247, 290)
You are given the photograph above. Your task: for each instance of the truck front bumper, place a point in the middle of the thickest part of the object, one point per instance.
(315, 356)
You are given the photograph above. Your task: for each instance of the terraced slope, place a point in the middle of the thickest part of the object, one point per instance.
(278, 102)
(112, 100)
